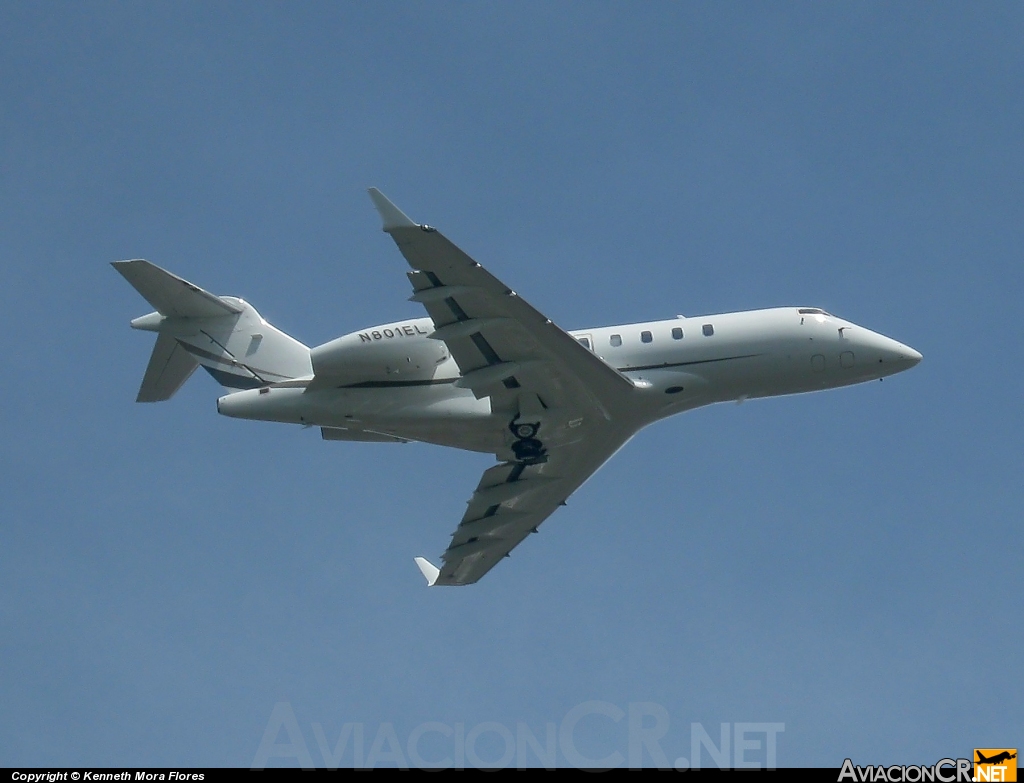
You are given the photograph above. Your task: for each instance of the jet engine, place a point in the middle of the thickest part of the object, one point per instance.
(398, 351)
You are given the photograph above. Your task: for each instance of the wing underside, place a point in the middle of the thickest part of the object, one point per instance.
(512, 500)
(531, 371)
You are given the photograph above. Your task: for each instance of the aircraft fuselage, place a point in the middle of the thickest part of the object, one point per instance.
(393, 381)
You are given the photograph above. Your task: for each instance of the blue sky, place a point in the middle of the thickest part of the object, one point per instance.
(842, 563)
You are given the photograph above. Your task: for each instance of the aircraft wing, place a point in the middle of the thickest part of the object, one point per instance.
(511, 501)
(529, 367)
(503, 346)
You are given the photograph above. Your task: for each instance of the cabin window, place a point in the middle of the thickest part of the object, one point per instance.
(584, 341)
(615, 340)
(645, 337)
(708, 329)
(677, 333)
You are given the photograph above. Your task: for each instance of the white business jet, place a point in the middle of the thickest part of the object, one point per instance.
(487, 372)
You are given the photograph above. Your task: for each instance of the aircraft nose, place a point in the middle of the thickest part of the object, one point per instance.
(899, 356)
(910, 356)
(890, 355)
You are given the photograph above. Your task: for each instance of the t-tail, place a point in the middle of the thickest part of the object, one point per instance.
(224, 334)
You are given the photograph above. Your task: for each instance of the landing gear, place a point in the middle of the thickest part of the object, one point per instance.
(526, 447)
(524, 431)
(529, 451)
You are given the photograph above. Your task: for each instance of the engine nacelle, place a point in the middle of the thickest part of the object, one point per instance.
(392, 352)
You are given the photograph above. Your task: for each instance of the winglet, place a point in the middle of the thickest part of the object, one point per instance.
(392, 216)
(428, 569)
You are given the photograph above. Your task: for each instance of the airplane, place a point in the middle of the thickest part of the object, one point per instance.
(487, 372)
(996, 759)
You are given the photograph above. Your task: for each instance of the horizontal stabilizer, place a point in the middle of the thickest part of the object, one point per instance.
(169, 367)
(428, 569)
(170, 295)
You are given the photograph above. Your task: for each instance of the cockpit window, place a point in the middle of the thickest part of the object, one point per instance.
(812, 311)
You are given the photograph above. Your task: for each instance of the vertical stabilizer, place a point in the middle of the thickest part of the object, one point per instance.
(169, 367)
(224, 334)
